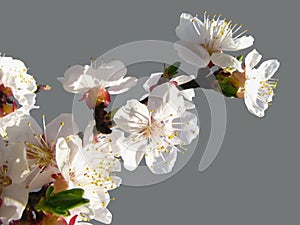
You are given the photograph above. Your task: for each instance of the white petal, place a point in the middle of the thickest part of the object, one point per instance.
(66, 152)
(15, 158)
(117, 182)
(24, 131)
(103, 215)
(144, 96)
(110, 143)
(161, 162)
(252, 59)
(239, 44)
(23, 87)
(12, 65)
(123, 86)
(111, 71)
(13, 118)
(43, 178)
(75, 144)
(267, 69)
(166, 100)
(63, 156)
(186, 30)
(152, 80)
(102, 152)
(14, 75)
(10, 212)
(253, 107)
(182, 79)
(24, 82)
(226, 61)
(80, 211)
(189, 94)
(257, 97)
(61, 126)
(192, 53)
(133, 152)
(88, 134)
(189, 105)
(112, 184)
(251, 96)
(98, 197)
(186, 127)
(132, 117)
(25, 99)
(75, 80)
(14, 201)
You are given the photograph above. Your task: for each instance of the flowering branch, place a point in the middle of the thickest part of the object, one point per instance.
(56, 175)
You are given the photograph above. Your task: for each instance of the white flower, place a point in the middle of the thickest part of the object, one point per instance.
(98, 83)
(13, 189)
(259, 84)
(89, 167)
(17, 92)
(40, 144)
(204, 42)
(157, 130)
(155, 79)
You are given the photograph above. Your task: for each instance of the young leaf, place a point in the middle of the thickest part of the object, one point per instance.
(240, 58)
(49, 191)
(60, 203)
(171, 70)
(227, 88)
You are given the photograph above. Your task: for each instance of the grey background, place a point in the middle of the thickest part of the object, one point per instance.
(255, 178)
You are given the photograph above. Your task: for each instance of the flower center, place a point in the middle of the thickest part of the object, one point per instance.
(96, 96)
(153, 127)
(218, 32)
(156, 129)
(43, 152)
(4, 179)
(270, 85)
(7, 104)
(266, 89)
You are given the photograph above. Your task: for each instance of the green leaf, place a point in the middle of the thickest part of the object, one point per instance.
(220, 77)
(227, 88)
(60, 203)
(240, 58)
(171, 70)
(49, 191)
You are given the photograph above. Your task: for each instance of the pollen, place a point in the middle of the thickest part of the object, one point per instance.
(171, 136)
(4, 179)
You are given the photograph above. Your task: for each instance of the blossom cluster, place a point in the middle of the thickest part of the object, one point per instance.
(57, 174)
